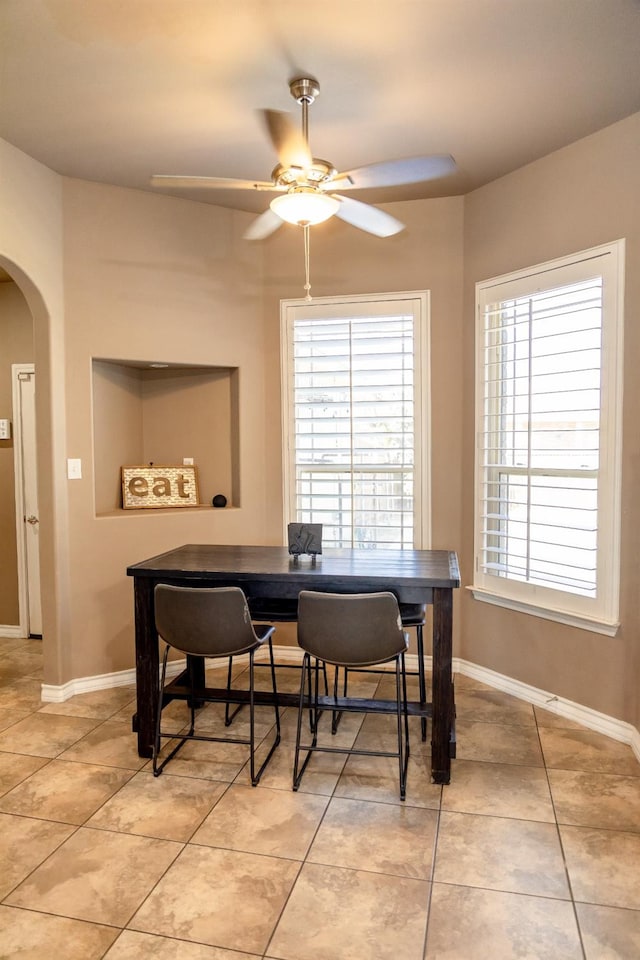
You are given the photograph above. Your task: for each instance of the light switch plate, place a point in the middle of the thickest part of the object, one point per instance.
(74, 469)
(5, 429)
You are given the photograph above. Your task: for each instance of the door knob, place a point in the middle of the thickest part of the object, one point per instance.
(32, 520)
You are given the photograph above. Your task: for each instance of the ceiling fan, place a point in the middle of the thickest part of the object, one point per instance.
(307, 185)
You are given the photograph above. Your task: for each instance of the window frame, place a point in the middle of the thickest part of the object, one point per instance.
(600, 613)
(360, 306)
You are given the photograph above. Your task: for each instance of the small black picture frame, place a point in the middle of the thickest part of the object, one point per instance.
(305, 538)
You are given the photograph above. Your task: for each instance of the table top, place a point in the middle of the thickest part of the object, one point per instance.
(420, 568)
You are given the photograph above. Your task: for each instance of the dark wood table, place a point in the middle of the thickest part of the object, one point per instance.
(414, 576)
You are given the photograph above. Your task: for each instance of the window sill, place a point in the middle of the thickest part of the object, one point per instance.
(607, 627)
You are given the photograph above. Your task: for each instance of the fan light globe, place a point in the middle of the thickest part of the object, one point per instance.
(304, 205)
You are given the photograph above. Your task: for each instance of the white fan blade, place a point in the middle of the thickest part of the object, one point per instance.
(291, 146)
(263, 226)
(211, 183)
(366, 217)
(393, 173)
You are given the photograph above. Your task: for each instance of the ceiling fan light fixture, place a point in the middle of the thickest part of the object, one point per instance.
(305, 206)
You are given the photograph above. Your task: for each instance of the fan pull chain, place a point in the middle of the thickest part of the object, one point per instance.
(307, 285)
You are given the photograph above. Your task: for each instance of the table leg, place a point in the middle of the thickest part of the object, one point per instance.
(443, 703)
(147, 664)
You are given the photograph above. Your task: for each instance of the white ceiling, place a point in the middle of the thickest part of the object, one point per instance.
(115, 90)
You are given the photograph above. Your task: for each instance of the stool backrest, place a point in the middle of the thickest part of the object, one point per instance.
(358, 629)
(204, 621)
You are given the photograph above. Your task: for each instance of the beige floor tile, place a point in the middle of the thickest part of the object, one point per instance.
(21, 694)
(68, 792)
(10, 716)
(15, 768)
(340, 914)
(379, 837)
(500, 790)
(263, 821)
(547, 718)
(603, 865)
(498, 742)
(320, 779)
(97, 876)
(210, 723)
(207, 761)
(166, 807)
(596, 799)
(125, 713)
(223, 898)
(377, 778)
(348, 728)
(41, 736)
(589, 751)
(609, 933)
(111, 744)
(24, 660)
(515, 856)
(98, 704)
(9, 643)
(24, 845)
(25, 935)
(493, 706)
(378, 725)
(469, 924)
(143, 946)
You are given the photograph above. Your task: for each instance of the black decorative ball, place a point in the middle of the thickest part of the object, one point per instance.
(219, 500)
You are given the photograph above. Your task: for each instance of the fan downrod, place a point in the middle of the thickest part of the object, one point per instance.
(304, 89)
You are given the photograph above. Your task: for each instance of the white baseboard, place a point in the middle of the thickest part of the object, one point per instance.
(102, 681)
(585, 716)
(8, 631)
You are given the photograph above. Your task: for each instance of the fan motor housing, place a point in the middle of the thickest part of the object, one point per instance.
(304, 89)
(319, 172)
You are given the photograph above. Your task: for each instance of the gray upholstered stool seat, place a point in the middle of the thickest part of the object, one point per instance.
(208, 623)
(350, 631)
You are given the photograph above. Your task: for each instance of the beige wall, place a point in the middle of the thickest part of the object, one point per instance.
(581, 196)
(16, 346)
(158, 279)
(31, 250)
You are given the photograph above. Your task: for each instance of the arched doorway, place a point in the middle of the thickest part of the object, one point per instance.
(20, 606)
(52, 557)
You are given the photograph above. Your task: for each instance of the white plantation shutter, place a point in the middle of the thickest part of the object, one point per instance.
(547, 522)
(354, 420)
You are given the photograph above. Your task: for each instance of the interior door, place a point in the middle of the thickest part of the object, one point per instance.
(26, 417)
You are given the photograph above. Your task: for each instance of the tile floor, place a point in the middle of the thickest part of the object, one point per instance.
(532, 852)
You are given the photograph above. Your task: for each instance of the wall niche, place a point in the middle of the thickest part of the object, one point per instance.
(144, 412)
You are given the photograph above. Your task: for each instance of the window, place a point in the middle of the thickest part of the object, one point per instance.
(355, 388)
(549, 352)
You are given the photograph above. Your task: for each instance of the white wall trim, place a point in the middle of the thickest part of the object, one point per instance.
(102, 681)
(585, 716)
(105, 681)
(9, 631)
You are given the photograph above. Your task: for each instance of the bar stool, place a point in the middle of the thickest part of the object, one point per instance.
(351, 631)
(208, 622)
